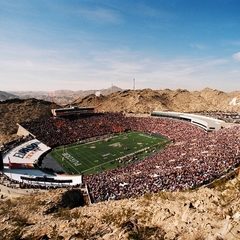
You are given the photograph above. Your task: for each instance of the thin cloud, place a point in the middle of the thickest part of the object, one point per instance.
(232, 42)
(151, 12)
(236, 56)
(198, 46)
(35, 69)
(100, 15)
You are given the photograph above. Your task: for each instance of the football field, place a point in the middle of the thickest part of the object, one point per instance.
(97, 156)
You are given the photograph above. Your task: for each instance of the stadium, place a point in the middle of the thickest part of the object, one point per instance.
(120, 156)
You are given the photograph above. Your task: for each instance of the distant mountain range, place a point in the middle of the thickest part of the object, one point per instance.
(5, 96)
(63, 97)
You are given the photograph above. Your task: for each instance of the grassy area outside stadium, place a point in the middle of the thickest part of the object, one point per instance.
(108, 153)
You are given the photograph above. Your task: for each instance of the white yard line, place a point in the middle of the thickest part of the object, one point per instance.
(69, 163)
(113, 160)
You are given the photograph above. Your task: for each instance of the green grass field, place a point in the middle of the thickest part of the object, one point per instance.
(104, 154)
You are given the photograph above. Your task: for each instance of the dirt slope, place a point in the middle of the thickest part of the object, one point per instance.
(202, 214)
(147, 100)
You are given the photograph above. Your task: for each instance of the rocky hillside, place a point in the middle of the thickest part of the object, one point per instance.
(5, 96)
(16, 110)
(147, 100)
(193, 215)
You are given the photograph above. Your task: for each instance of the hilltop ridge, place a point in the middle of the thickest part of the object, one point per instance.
(147, 100)
(63, 97)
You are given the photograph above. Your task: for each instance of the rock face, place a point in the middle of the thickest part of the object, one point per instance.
(200, 214)
(16, 110)
(147, 100)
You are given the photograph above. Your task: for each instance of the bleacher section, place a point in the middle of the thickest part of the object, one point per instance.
(207, 123)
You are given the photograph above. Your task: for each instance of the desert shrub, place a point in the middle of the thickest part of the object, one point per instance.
(116, 218)
(139, 232)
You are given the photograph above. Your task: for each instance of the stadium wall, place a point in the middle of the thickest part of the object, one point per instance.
(23, 131)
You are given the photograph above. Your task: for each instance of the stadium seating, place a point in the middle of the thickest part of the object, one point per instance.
(194, 157)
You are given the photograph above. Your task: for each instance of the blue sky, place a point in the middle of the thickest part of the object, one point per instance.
(86, 44)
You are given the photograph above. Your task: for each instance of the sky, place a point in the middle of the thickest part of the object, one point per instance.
(93, 44)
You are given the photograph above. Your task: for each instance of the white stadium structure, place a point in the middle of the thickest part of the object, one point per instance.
(207, 123)
(20, 165)
(26, 155)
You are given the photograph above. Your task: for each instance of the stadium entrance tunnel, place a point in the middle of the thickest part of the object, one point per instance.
(72, 198)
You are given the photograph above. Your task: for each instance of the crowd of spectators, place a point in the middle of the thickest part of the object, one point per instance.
(56, 132)
(193, 157)
(12, 144)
